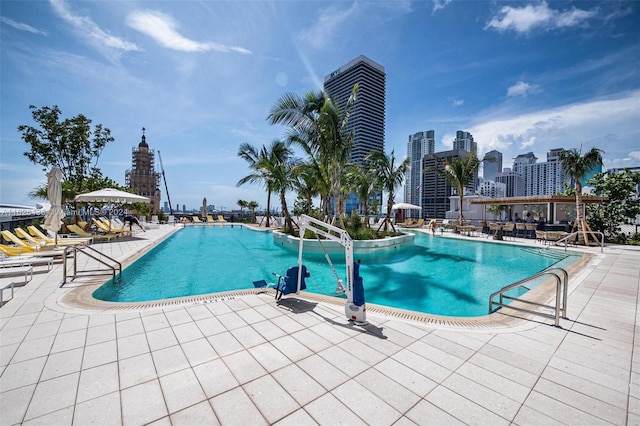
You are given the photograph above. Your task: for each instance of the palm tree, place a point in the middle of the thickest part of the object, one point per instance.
(253, 205)
(317, 125)
(257, 158)
(459, 173)
(242, 204)
(389, 177)
(576, 166)
(361, 180)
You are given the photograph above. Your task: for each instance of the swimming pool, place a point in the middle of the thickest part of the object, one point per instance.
(436, 275)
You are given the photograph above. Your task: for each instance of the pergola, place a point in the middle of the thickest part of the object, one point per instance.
(552, 202)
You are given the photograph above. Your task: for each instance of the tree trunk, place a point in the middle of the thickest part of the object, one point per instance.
(268, 207)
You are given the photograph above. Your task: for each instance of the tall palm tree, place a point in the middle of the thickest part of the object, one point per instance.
(279, 169)
(317, 125)
(390, 176)
(459, 173)
(361, 180)
(253, 205)
(242, 204)
(259, 160)
(576, 166)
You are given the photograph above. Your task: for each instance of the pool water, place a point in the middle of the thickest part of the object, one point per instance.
(436, 275)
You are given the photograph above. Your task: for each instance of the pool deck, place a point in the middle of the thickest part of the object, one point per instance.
(247, 360)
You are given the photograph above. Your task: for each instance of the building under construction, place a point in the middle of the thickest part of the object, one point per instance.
(142, 175)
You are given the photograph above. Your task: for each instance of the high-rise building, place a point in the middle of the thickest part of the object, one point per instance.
(420, 145)
(436, 189)
(142, 175)
(543, 178)
(492, 165)
(464, 140)
(514, 182)
(368, 113)
(522, 160)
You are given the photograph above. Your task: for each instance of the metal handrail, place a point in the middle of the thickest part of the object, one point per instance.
(82, 249)
(573, 234)
(562, 284)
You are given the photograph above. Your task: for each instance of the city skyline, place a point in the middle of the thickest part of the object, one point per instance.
(201, 77)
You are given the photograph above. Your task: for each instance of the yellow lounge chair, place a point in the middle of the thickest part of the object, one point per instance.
(418, 224)
(9, 236)
(221, 218)
(196, 219)
(210, 219)
(22, 251)
(84, 234)
(48, 241)
(110, 229)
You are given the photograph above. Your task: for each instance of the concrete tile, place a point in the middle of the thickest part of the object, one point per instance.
(322, 371)
(270, 398)
(426, 412)
(98, 381)
(224, 343)
(435, 355)
(199, 414)
(199, 312)
(14, 403)
(60, 417)
(558, 411)
(235, 407)
(73, 323)
(63, 363)
(269, 357)
(344, 361)
(416, 383)
(103, 410)
(187, 332)
(132, 346)
(135, 413)
(161, 339)
(129, 327)
(291, 348)
(210, 326)
(23, 373)
(198, 351)
(328, 410)
(495, 382)
(101, 353)
(43, 330)
(101, 333)
(311, 340)
(365, 404)
(422, 366)
(33, 349)
(300, 417)
(390, 391)
(231, 321)
(215, 378)
(155, 321)
(6, 353)
(53, 395)
(136, 370)
(465, 410)
(298, 384)
(181, 390)
(503, 369)
(483, 396)
(244, 367)
(169, 360)
(9, 336)
(72, 340)
(250, 316)
(247, 336)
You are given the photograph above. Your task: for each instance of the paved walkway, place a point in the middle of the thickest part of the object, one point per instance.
(249, 361)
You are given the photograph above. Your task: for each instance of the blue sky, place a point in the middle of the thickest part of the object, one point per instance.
(200, 76)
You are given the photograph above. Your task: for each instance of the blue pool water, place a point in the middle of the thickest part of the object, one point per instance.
(437, 275)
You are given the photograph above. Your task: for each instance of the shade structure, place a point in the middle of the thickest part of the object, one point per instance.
(405, 206)
(53, 218)
(111, 195)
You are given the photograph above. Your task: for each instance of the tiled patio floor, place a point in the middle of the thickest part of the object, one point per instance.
(249, 361)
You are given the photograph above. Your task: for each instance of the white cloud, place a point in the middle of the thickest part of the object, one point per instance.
(322, 33)
(522, 89)
(91, 31)
(527, 18)
(440, 4)
(457, 102)
(21, 26)
(164, 30)
(609, 124)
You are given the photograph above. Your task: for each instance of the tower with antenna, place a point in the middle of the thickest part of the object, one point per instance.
(142, 175)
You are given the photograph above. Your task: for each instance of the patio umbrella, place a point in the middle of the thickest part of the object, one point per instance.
(53, 218)
(204, 209)
(111, 195)
(405, 206)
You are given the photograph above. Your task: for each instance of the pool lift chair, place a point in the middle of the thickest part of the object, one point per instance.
(355, 308)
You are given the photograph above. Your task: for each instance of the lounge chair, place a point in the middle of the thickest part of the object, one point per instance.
(210, 219)
(13, 251)
(84, 234)
(196, 219)
(10, 236)
(110, 229)
(11, 261)
(49, 241)
(221, 218)
(418, 224)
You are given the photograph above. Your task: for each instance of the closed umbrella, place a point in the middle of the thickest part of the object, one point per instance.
(53, 218)
(204, 209)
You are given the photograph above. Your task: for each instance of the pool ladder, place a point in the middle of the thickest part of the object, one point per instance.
(561, 278)
(114, 268)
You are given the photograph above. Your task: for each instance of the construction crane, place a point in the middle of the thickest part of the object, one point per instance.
(165, 183)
